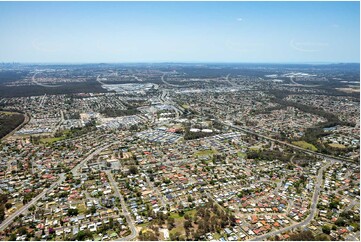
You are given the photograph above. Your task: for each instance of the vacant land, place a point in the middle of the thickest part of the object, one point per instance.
(339, 146)
(305, 145)
(205, 152)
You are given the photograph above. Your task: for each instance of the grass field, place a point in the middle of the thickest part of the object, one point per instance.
(175, 216)
(305, 145)
(179, 220)
(216, 236)
(143, 225)
(7, 113)
(205, 152)
(241, 154)
(339, 146)
(81, 208)
(51, 139)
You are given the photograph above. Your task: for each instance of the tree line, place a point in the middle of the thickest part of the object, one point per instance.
(8, 122)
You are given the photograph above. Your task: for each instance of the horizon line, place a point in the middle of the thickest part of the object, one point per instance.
(181, 62)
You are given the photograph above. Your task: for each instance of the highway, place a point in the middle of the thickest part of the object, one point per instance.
(171, 85)
(137, 78)
(97, 79)
(26, 120)
(313, 209)
(164, 98)
(300, 85)
(310, 152)
(229, 82)
(42, 84)
(127, 215)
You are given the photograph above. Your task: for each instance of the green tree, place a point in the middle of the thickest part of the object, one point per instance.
(73, 212)
(8, 205)
(302, 236)
(133, 170)
(326, 229)
(2, 212)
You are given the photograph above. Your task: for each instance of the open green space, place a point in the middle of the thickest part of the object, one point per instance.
(82, 208)
(254, 148)
(305, 145)
(179, 221)
(241, 154)
(205, 152)
(339, 146)
(50, 140)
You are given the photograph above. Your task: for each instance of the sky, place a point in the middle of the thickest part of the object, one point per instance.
(262, 32)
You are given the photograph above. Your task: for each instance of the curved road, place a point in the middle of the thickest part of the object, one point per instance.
(26, 120)
(313, 208)
(41, 84)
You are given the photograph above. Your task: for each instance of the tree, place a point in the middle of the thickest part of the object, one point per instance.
(12, 237)
(323, 237)
(171, 223)
(2, 212)
(28, 197)
(187, 224)
(73, 211)
(133, 170)
(32, 208)
(83, 235)
(340, 222)
(302, 236)
(174, 236)
(334, 204)
(3, 198)
(8, 205)
(92, 210)
(147, 236)
(326, 229)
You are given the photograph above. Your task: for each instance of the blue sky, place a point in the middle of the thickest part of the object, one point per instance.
(180, 32)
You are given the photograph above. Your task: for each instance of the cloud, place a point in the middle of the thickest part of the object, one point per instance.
(308, 46)
(239, 19)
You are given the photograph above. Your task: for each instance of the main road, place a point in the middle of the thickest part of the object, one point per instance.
(76, 168)
(26, 120)
(61, 179)
(24, 208)
(127, 215)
